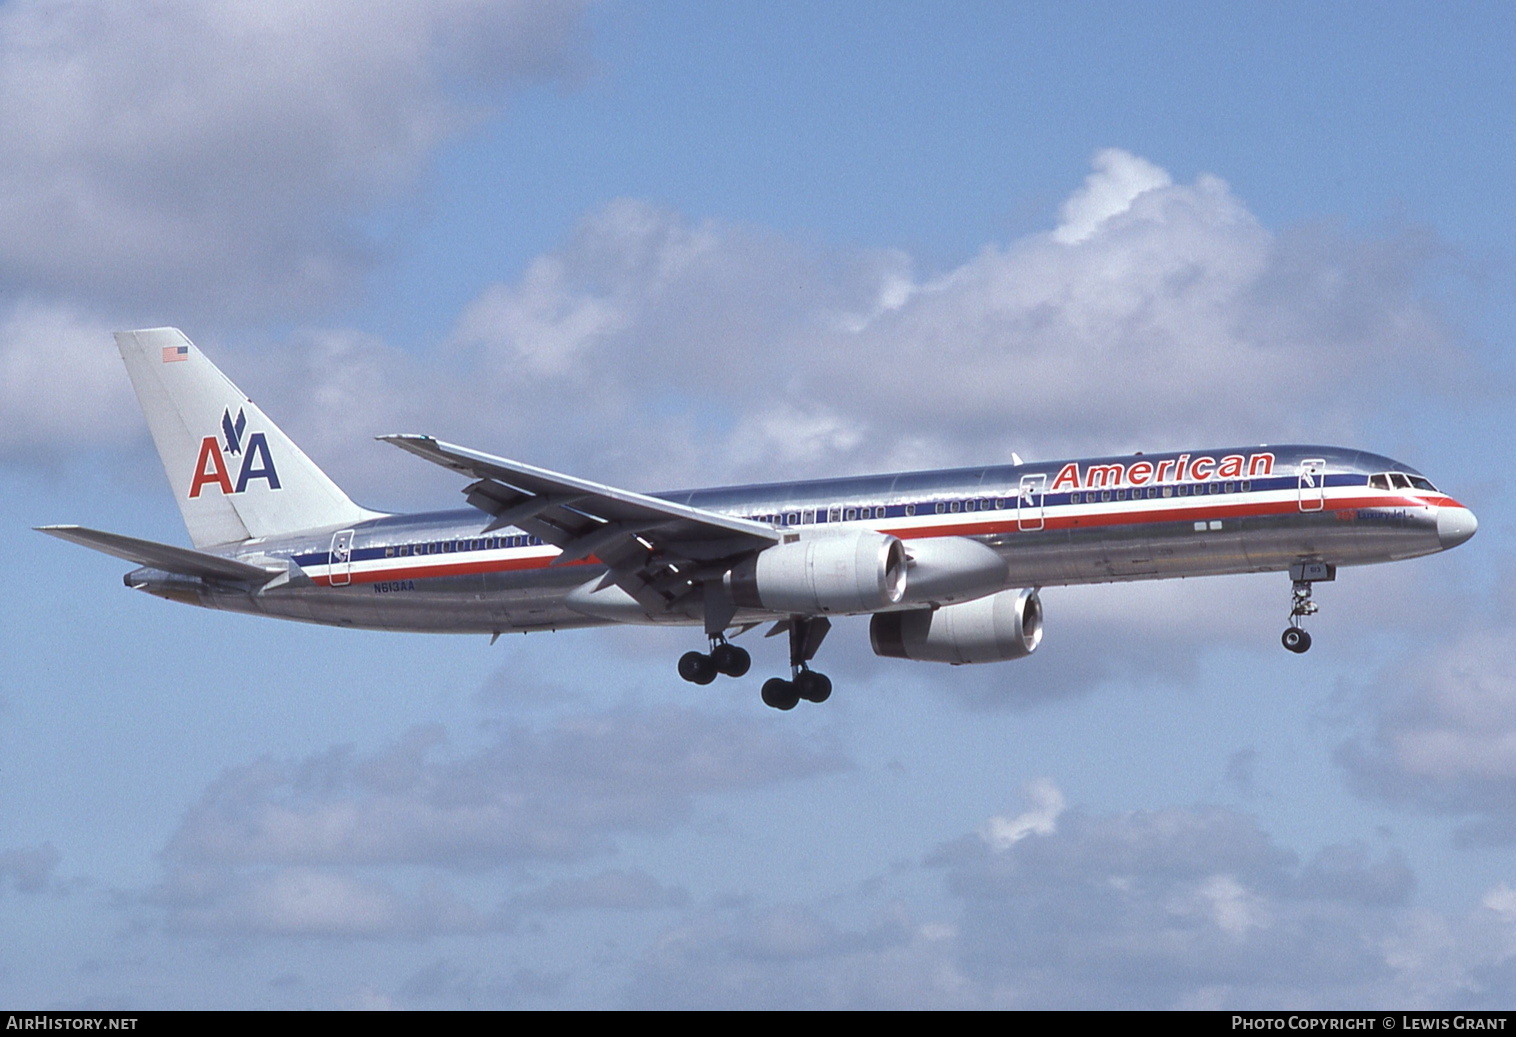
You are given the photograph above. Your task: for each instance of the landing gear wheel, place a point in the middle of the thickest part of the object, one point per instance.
(780, 693)
(813, 686)
(731, 660)
(697, 668)
(1296, 640)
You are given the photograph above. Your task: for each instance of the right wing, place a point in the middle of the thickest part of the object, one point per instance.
(661, 553)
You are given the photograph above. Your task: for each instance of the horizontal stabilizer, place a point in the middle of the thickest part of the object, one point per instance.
(170, 559)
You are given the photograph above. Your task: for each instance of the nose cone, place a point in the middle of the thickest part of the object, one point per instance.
(1455, 525)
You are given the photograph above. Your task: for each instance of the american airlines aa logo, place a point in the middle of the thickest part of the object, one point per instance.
(213, 468)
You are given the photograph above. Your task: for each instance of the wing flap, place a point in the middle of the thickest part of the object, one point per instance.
(167, 557)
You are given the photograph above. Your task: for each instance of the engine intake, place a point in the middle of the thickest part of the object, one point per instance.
(845, 573)
(1002, 626)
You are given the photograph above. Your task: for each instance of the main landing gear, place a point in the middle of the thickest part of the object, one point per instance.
(805, 683)
(806, 636)
(727, 658)
(1302, 576)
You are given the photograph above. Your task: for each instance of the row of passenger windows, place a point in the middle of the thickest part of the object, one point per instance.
(437, 547)
(809, 516)
(1183, 490)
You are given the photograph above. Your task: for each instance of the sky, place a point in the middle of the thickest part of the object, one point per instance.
(668, 244)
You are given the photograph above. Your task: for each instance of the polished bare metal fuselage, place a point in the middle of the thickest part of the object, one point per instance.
(441, 572)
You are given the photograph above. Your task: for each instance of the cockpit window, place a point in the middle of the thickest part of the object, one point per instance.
(1423, 484)
(1379, 482)
(1400, 481)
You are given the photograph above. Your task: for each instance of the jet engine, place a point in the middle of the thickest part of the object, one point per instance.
(849, 572)
(1002, 626)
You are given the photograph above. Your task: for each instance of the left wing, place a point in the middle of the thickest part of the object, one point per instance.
(661, 553)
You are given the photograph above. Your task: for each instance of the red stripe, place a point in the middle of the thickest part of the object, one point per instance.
(1006, 523)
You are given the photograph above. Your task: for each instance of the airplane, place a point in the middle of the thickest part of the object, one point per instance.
(947, 563)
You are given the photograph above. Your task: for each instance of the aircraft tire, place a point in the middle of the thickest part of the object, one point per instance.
(731, 660)
(1296, 640)
(780, 693)
(697, 668)
(813, 686)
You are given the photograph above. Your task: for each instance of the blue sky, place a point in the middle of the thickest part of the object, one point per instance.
(671, 244)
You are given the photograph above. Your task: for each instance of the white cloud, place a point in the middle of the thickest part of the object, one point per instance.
(1047, 803)
(1119, 179)
(1181, 907)
(62, 384)
(308, 902)
(1443, 733)
(746, 356)
(309, 847)
(221, 154)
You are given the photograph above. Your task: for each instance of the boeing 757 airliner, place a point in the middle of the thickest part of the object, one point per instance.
(948, 563)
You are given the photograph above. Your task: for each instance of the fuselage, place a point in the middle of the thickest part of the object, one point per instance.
(1135, 517)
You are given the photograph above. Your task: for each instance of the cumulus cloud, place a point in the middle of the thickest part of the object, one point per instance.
(791, 956)
(1119, 179)
(558, 793)
(306, 847)
(1174, 908)
(746, 355)
(221, 153)
(1040, 819)
(612, 890)
(1442, 734)
(62, 384)
(307, 902)
(1154, 313)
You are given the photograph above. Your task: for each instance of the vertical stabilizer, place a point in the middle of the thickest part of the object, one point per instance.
(235, 475)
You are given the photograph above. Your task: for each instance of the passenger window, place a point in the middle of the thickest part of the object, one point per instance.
(1121, 495)
(1073, 498)
(953, 507)
(910, 509)
(852, 513)
(941, 507)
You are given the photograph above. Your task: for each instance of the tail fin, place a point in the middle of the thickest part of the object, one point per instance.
(235, 475)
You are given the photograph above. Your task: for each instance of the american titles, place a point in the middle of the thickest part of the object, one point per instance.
(1184, 468)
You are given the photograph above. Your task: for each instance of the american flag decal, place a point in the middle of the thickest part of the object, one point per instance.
(172, 354)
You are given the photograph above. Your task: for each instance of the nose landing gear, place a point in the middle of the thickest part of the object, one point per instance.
(1302, 576)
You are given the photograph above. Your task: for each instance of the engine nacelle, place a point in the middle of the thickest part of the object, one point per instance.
(1002, 626)
(850, 572)
(947, 570)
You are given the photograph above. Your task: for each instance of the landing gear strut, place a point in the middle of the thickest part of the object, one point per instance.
(1302, 576)
(806, 636)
